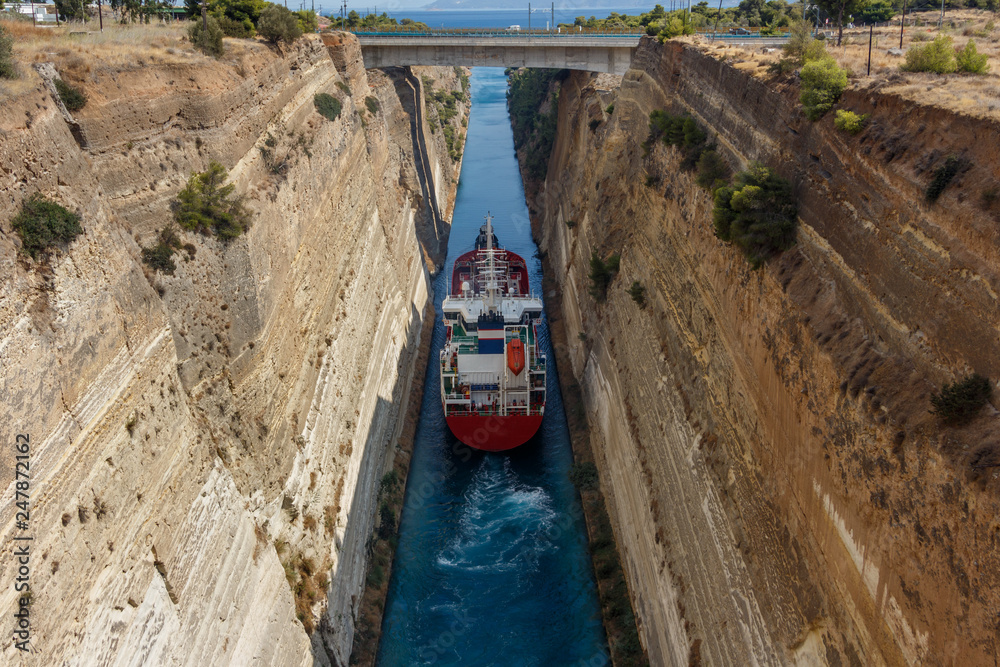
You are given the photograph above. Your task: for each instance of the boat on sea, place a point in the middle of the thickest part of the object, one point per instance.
(492, 366)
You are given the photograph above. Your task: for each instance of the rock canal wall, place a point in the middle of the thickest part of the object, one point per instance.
(207, 446)
(778, 489)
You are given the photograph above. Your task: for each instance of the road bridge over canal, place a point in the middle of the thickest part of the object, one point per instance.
(594, 52)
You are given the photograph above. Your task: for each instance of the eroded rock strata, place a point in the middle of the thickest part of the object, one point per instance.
(205, 442)
(779, 490)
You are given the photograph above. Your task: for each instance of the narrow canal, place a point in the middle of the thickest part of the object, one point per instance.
(492, 564)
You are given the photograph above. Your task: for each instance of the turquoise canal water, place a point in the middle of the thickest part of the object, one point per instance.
(492, 565)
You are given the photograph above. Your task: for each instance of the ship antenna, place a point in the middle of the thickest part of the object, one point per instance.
(491, 283)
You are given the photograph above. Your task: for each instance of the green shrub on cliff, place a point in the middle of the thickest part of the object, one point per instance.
(801, 47)
(8, 69)
(327, 105)
(848, 121)
(959, 402)
(207, 41)
(943, 175)
(584, 475)
(160, 256)
(208, 206)
(822, 83)
(278, 24)
(71, 97)
(534, 131)
(601, 274)
(43, 223)
(713, 172)
(681, 131)
(638, 293)
(757, 214)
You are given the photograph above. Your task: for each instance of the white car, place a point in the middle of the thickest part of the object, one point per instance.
(514, 28)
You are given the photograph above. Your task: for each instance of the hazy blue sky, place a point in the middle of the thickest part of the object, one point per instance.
(395, 5)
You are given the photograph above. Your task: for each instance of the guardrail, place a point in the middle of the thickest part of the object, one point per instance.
(709, 34)
(402, 31)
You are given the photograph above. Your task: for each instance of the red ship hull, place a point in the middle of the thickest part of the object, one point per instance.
(493, 433)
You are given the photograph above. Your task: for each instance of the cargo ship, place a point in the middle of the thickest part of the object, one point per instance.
(492, 367)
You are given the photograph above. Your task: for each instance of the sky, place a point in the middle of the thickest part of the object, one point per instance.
(395, 5)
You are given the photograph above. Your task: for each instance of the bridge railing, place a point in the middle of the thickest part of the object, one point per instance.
(740, 33)
(407, 31)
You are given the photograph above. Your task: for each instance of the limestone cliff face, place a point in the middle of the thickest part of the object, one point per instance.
(204, 442)
(779, 491)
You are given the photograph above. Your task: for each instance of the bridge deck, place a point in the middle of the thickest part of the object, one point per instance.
(474, 47)
(479, 39)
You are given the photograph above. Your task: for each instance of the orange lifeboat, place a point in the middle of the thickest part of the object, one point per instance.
(515, 356)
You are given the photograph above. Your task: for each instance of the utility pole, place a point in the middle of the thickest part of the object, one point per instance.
(554, 16)
(529, 20)
(204, 15)
(871, 31)
(941, 20)
(719, 16)
(100, 15)
(902, 22)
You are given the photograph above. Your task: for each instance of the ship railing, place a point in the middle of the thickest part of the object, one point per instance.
(516, 333)
(459, 409)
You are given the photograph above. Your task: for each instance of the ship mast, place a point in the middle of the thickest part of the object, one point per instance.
(491, 270)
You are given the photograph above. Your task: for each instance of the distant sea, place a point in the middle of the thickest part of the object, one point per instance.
(501, 18)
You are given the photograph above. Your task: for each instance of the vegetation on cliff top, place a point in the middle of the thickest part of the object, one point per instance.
(381, 21)
(768, 14)
(823, 80)
(277, 24)
(8, 69)
(534, 131)
(942, 57)
(42, 224)
(207, 40)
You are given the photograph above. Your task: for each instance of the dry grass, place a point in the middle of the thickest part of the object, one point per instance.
(82, 51)
(962, 93)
